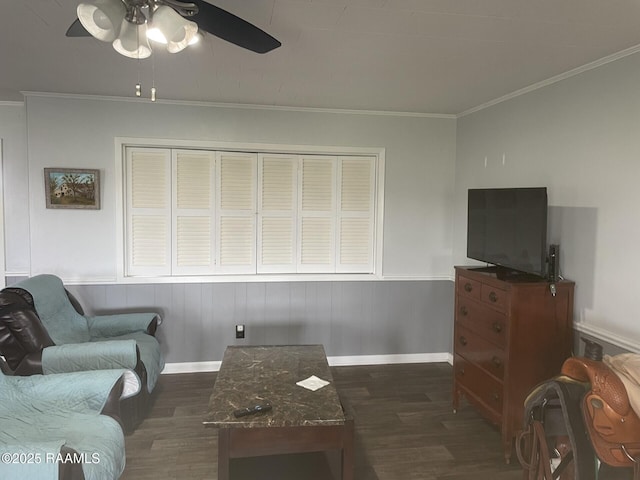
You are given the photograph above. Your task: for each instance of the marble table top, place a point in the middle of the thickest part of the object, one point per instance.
(253, 375)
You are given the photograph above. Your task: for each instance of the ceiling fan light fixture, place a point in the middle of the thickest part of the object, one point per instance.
(102, 18)
(197, 38)
(170, 28)
(132, 41)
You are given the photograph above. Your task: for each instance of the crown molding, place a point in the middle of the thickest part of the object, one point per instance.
(555, 79)
(11, 104)
(240, 106)
(522, 91)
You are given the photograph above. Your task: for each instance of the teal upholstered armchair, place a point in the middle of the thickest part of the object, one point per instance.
(61, 426)
(43, 330)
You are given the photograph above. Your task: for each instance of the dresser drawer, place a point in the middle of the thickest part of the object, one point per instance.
(484, 321)
(481, 386)
(496, 297)
(469, 288)
(475, 349)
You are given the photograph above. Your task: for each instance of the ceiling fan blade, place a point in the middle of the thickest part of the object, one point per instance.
(77, 30)
(233, 29)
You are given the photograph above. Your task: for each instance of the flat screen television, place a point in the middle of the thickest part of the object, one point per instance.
(508, 227)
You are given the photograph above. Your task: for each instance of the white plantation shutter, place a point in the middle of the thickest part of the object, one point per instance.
(356, 180)
(205, 212)
(316, 211)
(148, 208)
(193, 212)
(236, 202)
(277, 187)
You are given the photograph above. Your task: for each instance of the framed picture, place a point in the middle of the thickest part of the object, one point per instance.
(72, 188)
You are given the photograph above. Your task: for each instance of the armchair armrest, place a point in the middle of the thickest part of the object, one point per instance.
(102, 326)
(75, 357)
(92, 392)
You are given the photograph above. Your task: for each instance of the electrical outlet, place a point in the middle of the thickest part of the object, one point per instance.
(239, 331)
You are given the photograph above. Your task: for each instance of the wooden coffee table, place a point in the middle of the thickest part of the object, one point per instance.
(300, 420)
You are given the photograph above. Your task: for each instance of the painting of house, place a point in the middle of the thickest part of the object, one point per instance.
(72, 188)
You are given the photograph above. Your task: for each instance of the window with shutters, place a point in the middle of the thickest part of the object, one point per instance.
(198, 212)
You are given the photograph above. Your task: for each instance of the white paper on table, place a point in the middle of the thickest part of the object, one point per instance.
(312, 383)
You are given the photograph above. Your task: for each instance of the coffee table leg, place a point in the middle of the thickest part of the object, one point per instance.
(347, 450)
(223, 453)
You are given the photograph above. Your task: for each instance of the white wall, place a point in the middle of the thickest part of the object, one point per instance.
(14, 156)
(80, 132)
(580, 138)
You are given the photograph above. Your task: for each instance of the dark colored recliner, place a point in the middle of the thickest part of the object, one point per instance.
(25, 339)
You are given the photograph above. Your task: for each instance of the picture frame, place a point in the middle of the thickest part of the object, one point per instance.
(77, 188)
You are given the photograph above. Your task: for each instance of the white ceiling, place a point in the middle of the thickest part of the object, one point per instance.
(427, 56)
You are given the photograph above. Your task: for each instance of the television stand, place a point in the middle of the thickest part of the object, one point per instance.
(510, 333)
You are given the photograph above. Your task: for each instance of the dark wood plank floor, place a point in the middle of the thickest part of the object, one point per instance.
(405, 430)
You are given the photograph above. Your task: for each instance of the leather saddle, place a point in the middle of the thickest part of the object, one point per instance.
(582, 414)
(610, 420)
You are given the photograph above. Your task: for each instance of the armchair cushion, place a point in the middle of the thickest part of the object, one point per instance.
(77, 357)
(119, 324)
(150, 353)
(56, 312)
(43, 415)
(77, 392)
(77, 337)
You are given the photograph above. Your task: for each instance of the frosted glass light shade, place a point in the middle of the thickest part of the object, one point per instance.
(197, 38)
(171, 28)
(102, 18)
(132, 41)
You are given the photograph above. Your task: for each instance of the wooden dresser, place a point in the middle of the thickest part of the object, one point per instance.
(511, 333)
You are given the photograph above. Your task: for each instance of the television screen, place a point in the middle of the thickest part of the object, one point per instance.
(508, 227)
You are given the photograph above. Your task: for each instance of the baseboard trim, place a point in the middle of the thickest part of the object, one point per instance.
(191, 367)
(343, 361)
(390, 359)
(607, 336)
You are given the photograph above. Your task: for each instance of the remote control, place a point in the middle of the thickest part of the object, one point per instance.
(261, 407)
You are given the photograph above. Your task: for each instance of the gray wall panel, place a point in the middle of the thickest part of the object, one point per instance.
(348, 318)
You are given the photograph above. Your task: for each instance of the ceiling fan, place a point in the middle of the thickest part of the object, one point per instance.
(129, 24)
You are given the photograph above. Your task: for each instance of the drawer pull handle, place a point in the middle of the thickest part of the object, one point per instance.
(463, 340)
(461, 371)
(496, 397)
(496, 362)
(464, 311)
(493, 297)
(497, 327)
(468, 287)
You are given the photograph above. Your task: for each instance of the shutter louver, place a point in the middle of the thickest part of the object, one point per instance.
(236, 241)
(317, 185)
(237, 185)
(193, 181)
(316, 245)
(148, 178)
(193, 212)
(277, 241)
(277, 214)
(354, 241)
(355, 213)
(202, 212)
(318, 217)
(355, 186)
(237, 212)
(193, 242)
(148, 211)
(149, 246)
